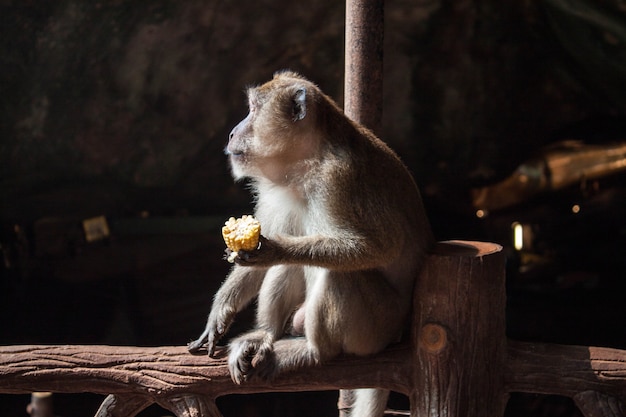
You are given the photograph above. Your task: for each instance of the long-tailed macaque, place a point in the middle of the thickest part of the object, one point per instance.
(344, 236)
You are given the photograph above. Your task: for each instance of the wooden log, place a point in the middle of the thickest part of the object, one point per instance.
(597, 404)
(123, 405)
(457, 364)
(164, 371)
(141, 376)
(459, 333)
(565, 370)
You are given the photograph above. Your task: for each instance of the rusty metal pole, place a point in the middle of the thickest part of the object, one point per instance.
(363, 87)
(363, 79)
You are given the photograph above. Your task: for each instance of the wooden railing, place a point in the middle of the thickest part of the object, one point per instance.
(458, 361)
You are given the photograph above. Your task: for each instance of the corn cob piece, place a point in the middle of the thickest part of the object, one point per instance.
(242, 233)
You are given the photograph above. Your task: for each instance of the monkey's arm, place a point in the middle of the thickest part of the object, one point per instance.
(241, 286)
(340, 252)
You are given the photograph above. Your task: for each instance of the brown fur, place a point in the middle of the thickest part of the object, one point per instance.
(344, 235)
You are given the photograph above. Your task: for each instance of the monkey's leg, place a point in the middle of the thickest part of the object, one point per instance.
(282, 291)
(372, 312)
(368, 402)
(356, 312)
(241, 285)
(320, 342)
(376, 320)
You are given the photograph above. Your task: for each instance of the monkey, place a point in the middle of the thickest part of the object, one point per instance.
(344, 234)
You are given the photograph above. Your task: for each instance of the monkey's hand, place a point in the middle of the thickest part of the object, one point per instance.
(217, 325)
(268, 253)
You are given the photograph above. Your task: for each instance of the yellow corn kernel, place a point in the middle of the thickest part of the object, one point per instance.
(242, 233)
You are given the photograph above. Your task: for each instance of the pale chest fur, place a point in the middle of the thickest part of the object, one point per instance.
(283, 210)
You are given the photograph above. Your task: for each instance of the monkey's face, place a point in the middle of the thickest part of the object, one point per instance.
(276, 135)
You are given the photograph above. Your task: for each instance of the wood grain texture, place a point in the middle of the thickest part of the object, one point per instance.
(457, 363)
(459, 332)
(565, 370)
(163, 371)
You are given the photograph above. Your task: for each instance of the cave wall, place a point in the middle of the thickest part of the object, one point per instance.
(122, 106)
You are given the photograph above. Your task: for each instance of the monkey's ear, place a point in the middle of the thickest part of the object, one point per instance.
(298, 110)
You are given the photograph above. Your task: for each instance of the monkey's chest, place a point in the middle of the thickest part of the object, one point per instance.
(283, 222)
(282, 212)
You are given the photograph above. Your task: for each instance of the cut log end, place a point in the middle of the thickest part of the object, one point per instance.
(464, 248)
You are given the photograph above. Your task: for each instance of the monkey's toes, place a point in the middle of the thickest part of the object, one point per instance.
(240, 362)
(240, 370)
(264, 368)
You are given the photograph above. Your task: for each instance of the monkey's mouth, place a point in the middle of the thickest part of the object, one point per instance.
(237, 159)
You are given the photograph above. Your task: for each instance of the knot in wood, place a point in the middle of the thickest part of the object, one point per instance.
(433, 338)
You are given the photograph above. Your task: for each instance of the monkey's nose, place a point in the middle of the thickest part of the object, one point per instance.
(232, 152)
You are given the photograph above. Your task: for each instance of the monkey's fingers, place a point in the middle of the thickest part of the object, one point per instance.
(198, 344)
(212, 344)
(194, 347)
(214, 336)
(248, 258)
(244, 258)
(263, 255)
(218, 352)
(264, 365)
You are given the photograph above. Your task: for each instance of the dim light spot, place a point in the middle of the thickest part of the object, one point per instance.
(518, 235)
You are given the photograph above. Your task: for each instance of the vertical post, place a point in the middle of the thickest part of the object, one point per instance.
(363, 79)
(363, 87)
(459, 332)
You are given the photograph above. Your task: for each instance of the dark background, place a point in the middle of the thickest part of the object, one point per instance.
(122, 108)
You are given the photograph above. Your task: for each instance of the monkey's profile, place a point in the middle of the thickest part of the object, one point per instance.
(344, 236)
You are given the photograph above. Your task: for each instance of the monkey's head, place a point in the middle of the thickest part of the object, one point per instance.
(278, 133)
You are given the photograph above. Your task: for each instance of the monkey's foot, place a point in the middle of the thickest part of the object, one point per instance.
(252, 356)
